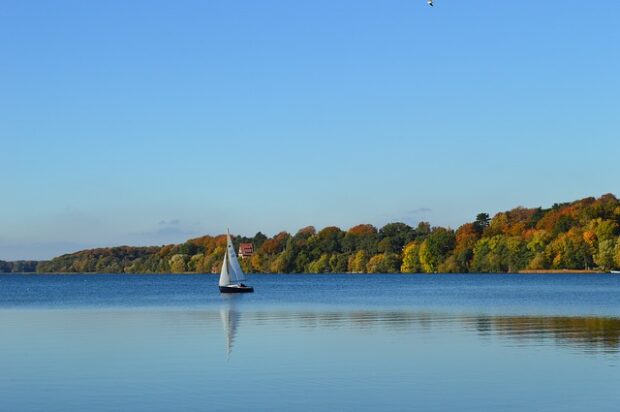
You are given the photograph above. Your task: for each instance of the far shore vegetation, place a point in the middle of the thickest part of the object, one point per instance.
(579, 236)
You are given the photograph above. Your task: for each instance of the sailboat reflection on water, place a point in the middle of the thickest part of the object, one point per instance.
(230, 319)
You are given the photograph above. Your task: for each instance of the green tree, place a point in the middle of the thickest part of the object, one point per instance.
(423, 229)
(394, 236)
(436, 248)
(360, 237)
(188, 248)
(338, 263)
(604, 258)
(329, 239)
(321, 265)
(567, 252)
(500, 254)
(482, 222)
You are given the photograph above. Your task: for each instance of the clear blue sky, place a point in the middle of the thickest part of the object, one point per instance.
(129, 122)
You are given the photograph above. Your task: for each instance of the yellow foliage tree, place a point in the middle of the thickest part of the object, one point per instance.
(617, 254)
(411, 258)
(178, 263)
(358, 262)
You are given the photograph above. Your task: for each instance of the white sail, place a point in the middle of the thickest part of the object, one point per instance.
(224, 274)
(236, 274)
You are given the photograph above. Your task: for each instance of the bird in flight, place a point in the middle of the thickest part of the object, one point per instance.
(430, 2)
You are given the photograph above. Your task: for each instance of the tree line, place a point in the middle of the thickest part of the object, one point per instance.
(19, 266)
(584, 234)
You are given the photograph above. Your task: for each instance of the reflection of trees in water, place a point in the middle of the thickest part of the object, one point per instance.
(585, 333)
(588, 333)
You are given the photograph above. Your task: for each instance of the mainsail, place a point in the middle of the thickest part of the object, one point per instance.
(231, 270)
(238, 275)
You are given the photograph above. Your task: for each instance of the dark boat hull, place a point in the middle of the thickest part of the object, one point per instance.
(236, 289)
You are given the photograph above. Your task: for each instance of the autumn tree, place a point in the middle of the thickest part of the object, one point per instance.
(360, 237)
(411, 258)
(357, 263)
(570, 235)
(384, 263)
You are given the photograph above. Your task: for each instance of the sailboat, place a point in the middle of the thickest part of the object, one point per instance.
(231, 275)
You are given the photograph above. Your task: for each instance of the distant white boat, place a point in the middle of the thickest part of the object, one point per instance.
(616, 272)
(231, 276)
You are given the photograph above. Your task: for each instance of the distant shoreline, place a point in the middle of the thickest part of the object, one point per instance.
(521, 272)
(562, 271)
(579, 235)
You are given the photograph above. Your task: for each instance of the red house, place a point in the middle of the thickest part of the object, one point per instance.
(246, 250)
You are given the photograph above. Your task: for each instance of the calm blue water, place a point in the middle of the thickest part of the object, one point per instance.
(310, 342)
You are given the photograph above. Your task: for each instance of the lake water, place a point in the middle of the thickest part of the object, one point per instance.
(310, 342)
